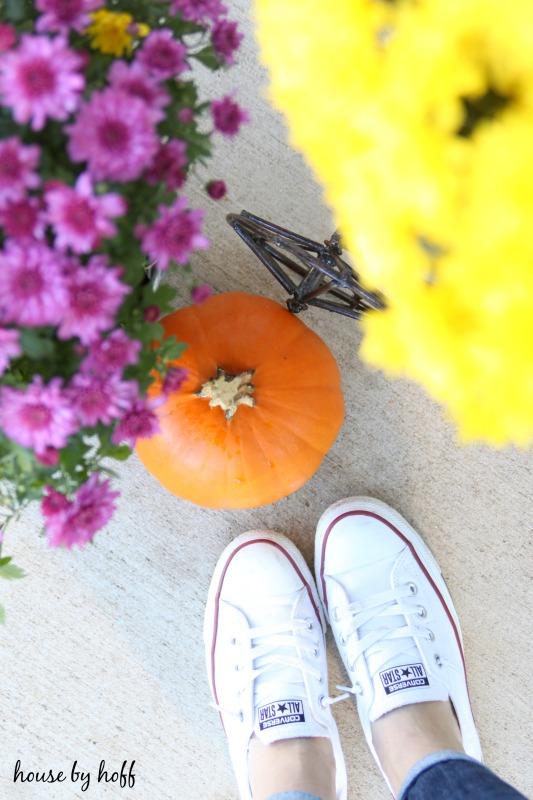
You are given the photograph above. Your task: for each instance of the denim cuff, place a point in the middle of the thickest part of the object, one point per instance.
(293, 796)
(430, 761)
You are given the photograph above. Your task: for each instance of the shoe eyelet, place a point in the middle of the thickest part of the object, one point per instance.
(320, 680)
(413, 589)
(321, 702)
(334, 616)
(315, 652)
(430, 636)
(421, 612)
(241, 715)
(237, 668)
(233, 640)
(438, 661)
(358, 688)
(308, 624)
(342, 640)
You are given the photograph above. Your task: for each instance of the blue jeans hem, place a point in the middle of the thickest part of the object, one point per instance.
(430, 761)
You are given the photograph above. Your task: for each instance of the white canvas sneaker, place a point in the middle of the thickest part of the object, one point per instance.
(264, 636)
(391, 613)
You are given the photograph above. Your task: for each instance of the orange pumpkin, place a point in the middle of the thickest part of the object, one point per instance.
(260, 408)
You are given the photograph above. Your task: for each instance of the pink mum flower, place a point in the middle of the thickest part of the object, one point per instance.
(95, 294)
(174, 235)
(228, 116)
(186, 116)
(115, 135)
(174, 379)
(152, 313)
(162, 54)
(216, 190)
(39, 416)
(50, 458)
(53, 502)
(139, 422)
(100, 398)
(32, 284)
(201, 293)
(80, 219)
(9, 347)
(64, 15)
(23, 219)
(169, 165)
(8, 37)
(76, 522)
(18, 163)
(112, 354)
(136, 81)
(198, 10)
(226, 39)
(41, 79)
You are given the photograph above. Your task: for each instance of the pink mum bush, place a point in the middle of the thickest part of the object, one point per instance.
(101, 122)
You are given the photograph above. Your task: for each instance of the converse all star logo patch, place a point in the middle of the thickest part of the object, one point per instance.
(408, 676)
(281, 713)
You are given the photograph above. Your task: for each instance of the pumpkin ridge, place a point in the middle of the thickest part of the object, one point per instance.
(246, 466)
(274, 470)
(299, 409)
(316, 366)
(309, 413)
(284, 430)
(262, 320)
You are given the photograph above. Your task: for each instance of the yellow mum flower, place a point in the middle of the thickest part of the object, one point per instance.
(417, 118)
(113, 32)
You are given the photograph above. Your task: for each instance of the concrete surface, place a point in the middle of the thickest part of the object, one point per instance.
(101, 656)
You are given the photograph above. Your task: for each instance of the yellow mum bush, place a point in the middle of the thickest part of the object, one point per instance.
(417, 118)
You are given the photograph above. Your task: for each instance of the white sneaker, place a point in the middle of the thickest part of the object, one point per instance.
(265, 650)
(391, 613)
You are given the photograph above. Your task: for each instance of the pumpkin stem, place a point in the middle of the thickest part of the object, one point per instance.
(229, 391)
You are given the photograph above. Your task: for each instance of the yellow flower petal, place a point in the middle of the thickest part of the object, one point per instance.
(109, 32)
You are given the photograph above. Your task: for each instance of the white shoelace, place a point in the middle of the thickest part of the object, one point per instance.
(277, 648)
(379, 607)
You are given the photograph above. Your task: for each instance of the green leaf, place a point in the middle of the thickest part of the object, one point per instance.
(185, 93)
(2, 615)
(163, 296)
(198, 146)
(120, 452)
(72, 458)
(148, 333)
(16, 10)
(201, 107)
(208, 57)
(10, 571)
(35, 345)
(8, 126)
(108, 471)
(171, 349)
(24, 458)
